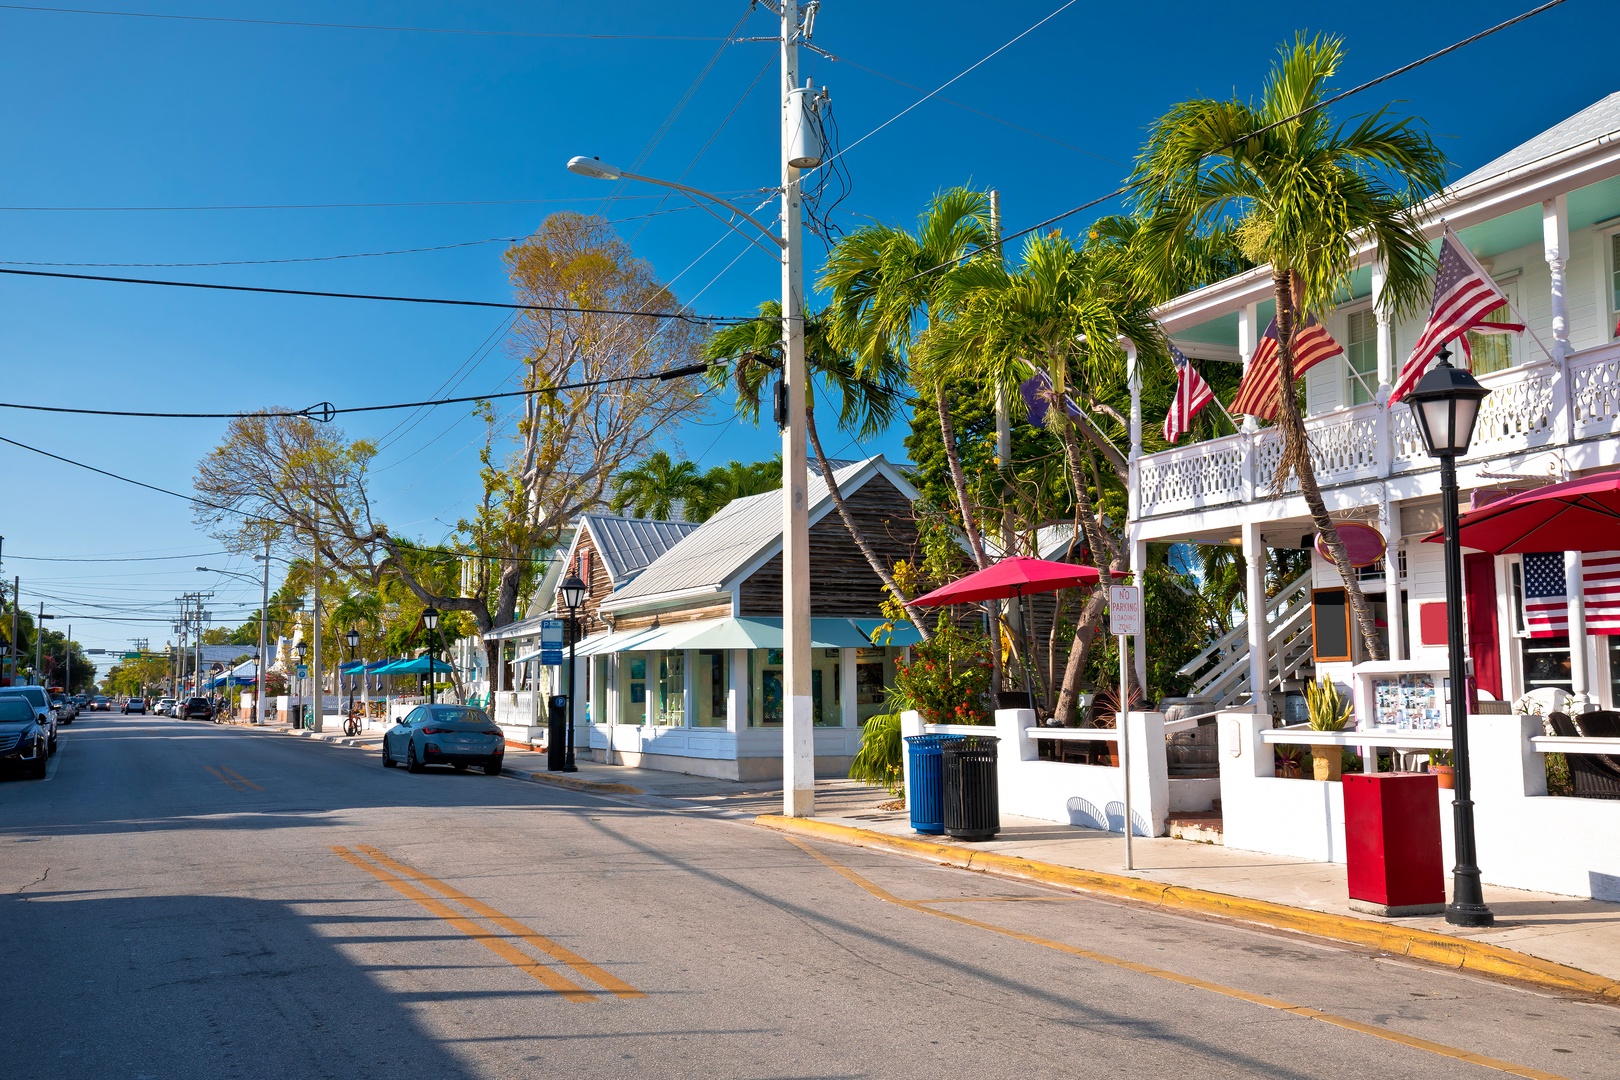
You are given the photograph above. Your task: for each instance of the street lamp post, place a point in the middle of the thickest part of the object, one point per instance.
(430, 619)
(353, 638)
(302, 649)
(572, 591)
(800, 149)
(1446, 404)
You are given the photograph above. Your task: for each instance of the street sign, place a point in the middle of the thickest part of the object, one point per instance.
(132, 656)
(303, 671)
(1124, 610)
(551, 641)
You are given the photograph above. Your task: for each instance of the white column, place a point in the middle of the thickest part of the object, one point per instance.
(1555, 239)
(1385, 343)
(1254, 554)
(1580, 674)
(1389, 523)
(737, 703)
(689, 682)
(1248, 339)
(846, 680)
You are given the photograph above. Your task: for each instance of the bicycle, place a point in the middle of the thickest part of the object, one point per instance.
(351, 725)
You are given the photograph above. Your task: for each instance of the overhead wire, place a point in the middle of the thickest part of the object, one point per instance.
(498, 304)
(325, 206)
(310, 25)
(1126, 189)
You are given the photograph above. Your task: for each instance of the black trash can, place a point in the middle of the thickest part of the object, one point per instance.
(972, 800)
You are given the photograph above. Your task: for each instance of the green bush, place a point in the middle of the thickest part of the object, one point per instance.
(878, 761)
(948, 677)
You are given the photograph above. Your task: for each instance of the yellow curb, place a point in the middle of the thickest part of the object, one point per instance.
(1463, 954)
(584, 785)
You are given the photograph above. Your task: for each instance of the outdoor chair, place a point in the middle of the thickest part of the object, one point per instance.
(1593, 776)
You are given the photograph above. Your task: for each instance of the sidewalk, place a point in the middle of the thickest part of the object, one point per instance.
(1533, 931)
(1559, 942)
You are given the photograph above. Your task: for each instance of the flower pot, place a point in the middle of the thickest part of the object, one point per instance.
(1327, 762)
(1443, 774)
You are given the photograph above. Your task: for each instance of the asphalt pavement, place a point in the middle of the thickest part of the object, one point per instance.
(181, 899)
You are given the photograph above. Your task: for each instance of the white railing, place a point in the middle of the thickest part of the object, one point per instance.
(1531, 407)
(1288, 629)
(1564, 744)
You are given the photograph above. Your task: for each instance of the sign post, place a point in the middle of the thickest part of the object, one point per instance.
(1125, 622)
(551, 642)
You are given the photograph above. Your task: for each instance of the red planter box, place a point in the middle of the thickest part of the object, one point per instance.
(1392, 844)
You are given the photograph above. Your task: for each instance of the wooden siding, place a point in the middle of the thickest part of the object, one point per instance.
(842, 583)
(599, 585)
(643, 620)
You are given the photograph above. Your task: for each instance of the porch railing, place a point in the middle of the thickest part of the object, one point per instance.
(1288, 641)
(1531, 407)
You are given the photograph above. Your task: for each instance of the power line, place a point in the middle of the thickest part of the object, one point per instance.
(325, 411)
(681, 315)
(121, 558)
(1369, 84)
(302, 24)
(329, 205)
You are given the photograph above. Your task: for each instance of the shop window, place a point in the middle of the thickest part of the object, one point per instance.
(712, 686)
(872, 677)
(633, 688)
(671, 711)
(1330, 624)
(1494, 352)
(1546, 662)
(765, 687)
(1614, 671)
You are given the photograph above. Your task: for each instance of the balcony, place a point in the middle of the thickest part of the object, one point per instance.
(1531, 407)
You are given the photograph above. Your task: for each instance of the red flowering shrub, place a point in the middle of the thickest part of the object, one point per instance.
(948, 677)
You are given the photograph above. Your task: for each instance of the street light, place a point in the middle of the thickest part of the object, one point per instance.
(800, 149)
(572, 591)
(430, 619)
(353, 638)
(302, 649)
(1445, 405)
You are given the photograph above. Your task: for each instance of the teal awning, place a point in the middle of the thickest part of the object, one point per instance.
(417, 666)
(742, 633)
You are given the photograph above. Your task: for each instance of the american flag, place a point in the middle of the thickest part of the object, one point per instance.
(1192, 394)
(1034, 390)
(1260, 392)
(1464, 295)
(1546, 604)
(1600, 588)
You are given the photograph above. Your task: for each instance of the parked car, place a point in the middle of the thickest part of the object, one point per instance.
(100, 704)
(163, 706)
(196, 708)
(23, 742)
(135, 704)
(454, 735)
(66, 711)
(40, 700)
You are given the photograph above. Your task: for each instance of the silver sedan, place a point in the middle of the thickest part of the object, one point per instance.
(454, 735)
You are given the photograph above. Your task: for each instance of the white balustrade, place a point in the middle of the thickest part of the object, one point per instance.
(1202, 474)
(1594, 378)
(1521, 412)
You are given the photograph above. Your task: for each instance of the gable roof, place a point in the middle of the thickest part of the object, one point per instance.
(628, 545)
(744, 532)
(1589, 125)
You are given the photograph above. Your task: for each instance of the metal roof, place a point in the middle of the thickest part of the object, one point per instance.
(628, 546)
(743, 531)
(1591, 123)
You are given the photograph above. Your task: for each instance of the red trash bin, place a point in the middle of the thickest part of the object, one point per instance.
(1392, 844)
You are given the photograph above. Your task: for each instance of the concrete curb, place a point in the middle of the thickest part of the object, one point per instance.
(574, 783)
(1463, 954)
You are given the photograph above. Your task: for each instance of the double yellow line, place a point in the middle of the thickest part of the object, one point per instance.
(233, 778)
(400, 877)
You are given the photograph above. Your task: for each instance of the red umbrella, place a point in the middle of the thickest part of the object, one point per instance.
(1017, 576)
(1577, 515)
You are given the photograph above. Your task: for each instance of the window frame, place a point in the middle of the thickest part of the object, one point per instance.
(1348, 372)
(1508, 281)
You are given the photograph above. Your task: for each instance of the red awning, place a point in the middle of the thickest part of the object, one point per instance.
(1017, 576)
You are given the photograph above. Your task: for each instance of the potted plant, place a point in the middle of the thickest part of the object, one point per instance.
(1440, 764)
(1288, 762)
(1328, 712)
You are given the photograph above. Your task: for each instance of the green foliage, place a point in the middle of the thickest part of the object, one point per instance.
(878, 761)
(655, 485)
(948, 677)
(1177, 618)
(1327, 707)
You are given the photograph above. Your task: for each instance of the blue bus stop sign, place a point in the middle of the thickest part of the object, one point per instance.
(551, 641)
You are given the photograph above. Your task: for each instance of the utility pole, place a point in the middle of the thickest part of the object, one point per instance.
(202, 617)
(315, 661)
(1003, 466)
(798, 719)
(264, 612)
(39, 643)
(16, 611)
(67, 680)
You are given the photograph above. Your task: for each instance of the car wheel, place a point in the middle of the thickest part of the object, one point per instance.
(37, 770)
(388, 762)
(493, 768)
(52, 744)
(411, 764)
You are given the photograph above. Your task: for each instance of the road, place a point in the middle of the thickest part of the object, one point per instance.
(181, 900)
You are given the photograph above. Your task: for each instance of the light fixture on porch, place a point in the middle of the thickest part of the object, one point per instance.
(1445, 405)
(572, 592)
(430, 619)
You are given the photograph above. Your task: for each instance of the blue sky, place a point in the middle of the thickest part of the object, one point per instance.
(102, 111)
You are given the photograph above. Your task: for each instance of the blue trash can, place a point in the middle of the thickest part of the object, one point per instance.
(926, 797)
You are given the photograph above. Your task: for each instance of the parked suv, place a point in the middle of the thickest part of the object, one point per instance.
(22, 740)
(196, 708)
(40, 699)
(163, 707)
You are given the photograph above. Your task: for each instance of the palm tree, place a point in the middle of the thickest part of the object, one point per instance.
(1062, 311)
(1303, 196)
(655, 484)
(745, 355)
(736, 480)
(887, 285)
